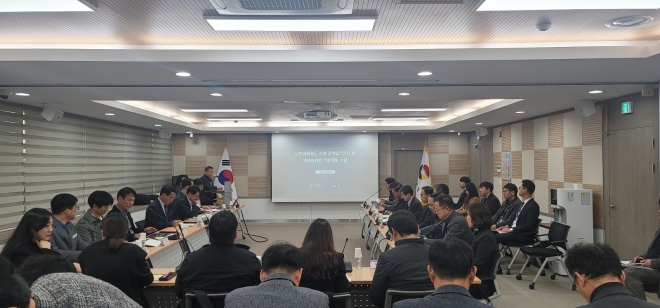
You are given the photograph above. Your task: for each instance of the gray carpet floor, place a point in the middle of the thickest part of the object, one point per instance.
(547, 293)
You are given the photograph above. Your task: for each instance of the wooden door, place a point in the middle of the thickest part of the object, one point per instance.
(630, 217)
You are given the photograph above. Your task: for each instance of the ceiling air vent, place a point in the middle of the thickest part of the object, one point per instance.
(283, 7)
(430, 1)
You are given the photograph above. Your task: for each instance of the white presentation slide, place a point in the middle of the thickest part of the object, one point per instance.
(324, 167)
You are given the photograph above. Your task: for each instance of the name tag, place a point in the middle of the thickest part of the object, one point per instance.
(185, 231)
(75, 235)
(165, 242)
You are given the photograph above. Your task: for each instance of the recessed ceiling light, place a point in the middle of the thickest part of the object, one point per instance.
(183, 74)
(45, 6)
(451, 131)
(520, 112)
(158, 125)
(262, 23)
(364, 131)
(404, 93)
(22, 94)
(526, 5)
(425, 73)
(214, 110)
(216, 94)
(479, 123)
(109, 114)
(628, 21)
(233, 119)
(595, 92)
(412, 109)
(400, 118)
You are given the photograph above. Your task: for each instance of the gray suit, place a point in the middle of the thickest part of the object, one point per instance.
(66, 242)
(445, 296)
(615, 295)
(277, 291)
(454, 226)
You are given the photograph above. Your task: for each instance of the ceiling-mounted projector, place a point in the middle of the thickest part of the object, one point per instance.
(286, 8)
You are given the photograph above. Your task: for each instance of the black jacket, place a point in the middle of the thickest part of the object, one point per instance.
(156, 217)
(492, 203)
(527, 218)
(507, 212)
(26, 250)
(183, 209)
(338, 284)
(485, 250)
(454, 226)
(207, 196)
(401, 268)
(426, 217)
(461, 200)
(415, 206)
(218, 268)
(125, 268)
(400, 205)
(615, 295)
(132, 228)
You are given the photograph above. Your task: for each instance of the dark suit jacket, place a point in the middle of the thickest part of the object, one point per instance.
(527, 218)
(454, 226)
(615, 295)
(124, 268)
(338, 284)
(400, 205)
(507, 212)
(183, 209)
(426, 217)
(180, 195)
(207, 196)
(445, 296)
(401, 268)
(485, 250)
(461, 199)
(492, 203)
(132, 228)
(66, 242)
(26, 250)
(155, 217)
(415, 206)
(234, 265)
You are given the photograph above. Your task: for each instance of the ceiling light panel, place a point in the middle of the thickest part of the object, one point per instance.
(47, 5)
(412, 109)
(214, 110)
(552, 5)
(292, 24)
(400, 118)
(232, 119)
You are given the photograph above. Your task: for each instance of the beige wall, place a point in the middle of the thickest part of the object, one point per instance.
(557, 151)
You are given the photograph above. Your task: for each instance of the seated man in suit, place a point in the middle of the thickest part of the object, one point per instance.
(282, 270)
(187, 208)
(598, 276)
(461, 183)
(202, 271)
(158, 212)
(125, 200)
(452, 223)
(488, 198)
(412, 203)
(400, 203)
(185, 183)
(426, 217)
(89, 226)
(64, 239)
(524, 226)
(452, 271)
(509, 209)
(639, 280)
(390, 199)
(402, 268)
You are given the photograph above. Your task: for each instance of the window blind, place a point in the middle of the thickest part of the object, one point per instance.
(11, 165)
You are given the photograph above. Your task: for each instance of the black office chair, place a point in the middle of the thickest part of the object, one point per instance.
(393, 296)
(532, 242)
(204, 300)
(550, 250)
(339, 300)
(489, 288)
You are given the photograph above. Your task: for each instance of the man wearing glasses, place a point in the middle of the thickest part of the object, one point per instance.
(452, 224)
(523, 228)
(65, 239)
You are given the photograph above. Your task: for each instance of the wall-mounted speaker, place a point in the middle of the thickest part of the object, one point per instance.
(165, 134)
(52, 115)
(481, 132)
(648, 89)
(585, 110)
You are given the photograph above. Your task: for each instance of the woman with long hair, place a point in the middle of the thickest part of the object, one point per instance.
(472, 197)
(483, 245)
(32, 236)
(324, 268)
(116, 262)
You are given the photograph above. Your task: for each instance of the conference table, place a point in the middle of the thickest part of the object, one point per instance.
(382, 230)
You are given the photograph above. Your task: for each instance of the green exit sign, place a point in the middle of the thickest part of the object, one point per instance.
(627, 107)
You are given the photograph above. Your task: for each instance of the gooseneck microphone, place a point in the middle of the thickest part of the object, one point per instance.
(365, 201)
(342, 250)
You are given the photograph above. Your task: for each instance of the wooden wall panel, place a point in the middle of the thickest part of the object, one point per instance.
(598, 204)
(506, 138)
(592, 129)
(516, 165)
(438, 143)
(541, 165)
(572, 165)
(239, 164)
(556, 131)
(178, 145)
(441, 179)
(215, 145)
(528, 135)
(195, 165)
(258, 144)
(459, 164)
(259, 186)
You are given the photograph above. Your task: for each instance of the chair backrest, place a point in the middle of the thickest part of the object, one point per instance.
(558, 232)
(497, 263)
(393, 296)
(339, 298)
(217, 300)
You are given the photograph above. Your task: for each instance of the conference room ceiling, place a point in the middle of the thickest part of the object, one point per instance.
(180, 22)
(123, 57)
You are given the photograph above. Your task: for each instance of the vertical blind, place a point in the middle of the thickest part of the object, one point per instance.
(78, 155)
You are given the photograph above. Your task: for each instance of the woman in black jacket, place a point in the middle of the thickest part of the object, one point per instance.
(484, 247)
(116, 262)
(32, 236)
(324, 268)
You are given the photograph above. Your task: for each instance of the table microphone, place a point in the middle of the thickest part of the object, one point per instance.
(365, 201)
(346, 242)
(347, 264)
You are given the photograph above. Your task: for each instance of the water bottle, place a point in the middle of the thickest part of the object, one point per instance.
(358, 259)
(200, 222)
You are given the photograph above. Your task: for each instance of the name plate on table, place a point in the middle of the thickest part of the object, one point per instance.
(165, 241)
(184, 231)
